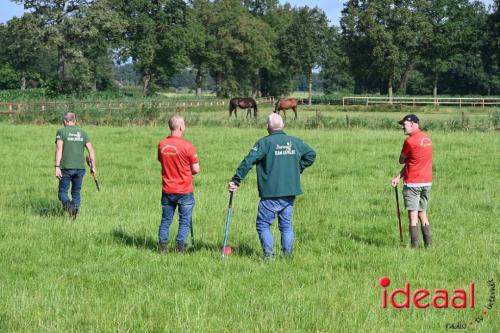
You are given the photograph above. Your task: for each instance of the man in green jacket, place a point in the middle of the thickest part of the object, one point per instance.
(280, 160)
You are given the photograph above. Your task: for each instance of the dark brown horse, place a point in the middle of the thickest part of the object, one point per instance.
(285, 104)
(244, 103)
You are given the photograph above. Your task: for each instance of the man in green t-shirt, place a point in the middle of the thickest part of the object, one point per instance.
(71, 141)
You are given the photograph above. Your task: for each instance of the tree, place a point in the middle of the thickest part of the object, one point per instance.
(491, 50)
(305, 42)
(243, 45)
(454, 33)
(386, 33)
(22, 35)
(335, 73)
(58, 19)
(279, 78)
(155, 38)
(201, 52)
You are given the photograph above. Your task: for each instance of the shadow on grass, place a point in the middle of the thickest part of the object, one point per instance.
(243, 250)
(140, 242)
(45, 208)
(367, 240)
(148, 243)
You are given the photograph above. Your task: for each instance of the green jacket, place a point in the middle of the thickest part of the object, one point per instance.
(280, 160)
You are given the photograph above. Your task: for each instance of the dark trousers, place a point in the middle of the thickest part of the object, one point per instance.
(75, 178)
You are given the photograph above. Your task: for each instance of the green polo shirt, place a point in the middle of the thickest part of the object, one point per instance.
(280, 160)
(74, 141)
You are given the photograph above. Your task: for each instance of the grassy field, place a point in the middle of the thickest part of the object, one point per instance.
(102, 274)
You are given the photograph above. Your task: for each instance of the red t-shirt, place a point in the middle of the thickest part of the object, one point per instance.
(418, 165)
(176, 156)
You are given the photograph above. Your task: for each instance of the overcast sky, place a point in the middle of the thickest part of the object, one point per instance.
(332, 8)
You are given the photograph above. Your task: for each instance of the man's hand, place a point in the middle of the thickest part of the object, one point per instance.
(395, 181)
(58, 173)
(232, 187)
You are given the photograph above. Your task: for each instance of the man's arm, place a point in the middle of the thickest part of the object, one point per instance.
(307, 158)
(58, 157)
(402, 158)
(91, 152)
(195, 168)
(395, 180)
(257, 153)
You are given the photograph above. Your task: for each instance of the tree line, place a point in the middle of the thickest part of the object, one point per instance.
(255, 47)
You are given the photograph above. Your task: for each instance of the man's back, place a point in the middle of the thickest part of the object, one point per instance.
(280, 159)
(74, 141)
(418, 166)
(176, 156)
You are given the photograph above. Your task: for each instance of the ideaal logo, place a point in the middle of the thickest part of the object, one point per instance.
(423, 298)
(439, 299)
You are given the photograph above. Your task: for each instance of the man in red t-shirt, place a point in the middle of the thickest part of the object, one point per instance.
(179, 162)
(416, 156)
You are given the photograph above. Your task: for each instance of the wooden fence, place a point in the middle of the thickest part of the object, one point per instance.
(7, 108)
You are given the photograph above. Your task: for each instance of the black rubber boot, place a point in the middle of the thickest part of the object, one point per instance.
(73, 213)
(414, 235)
(181, 247)
(426, 231)
(162, 248)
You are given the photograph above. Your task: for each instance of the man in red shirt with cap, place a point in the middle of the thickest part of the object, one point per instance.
(416, 156)
(179, 162)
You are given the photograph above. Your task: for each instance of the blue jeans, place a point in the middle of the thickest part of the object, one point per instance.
(268, 209)
(169, 203)
(75, 177)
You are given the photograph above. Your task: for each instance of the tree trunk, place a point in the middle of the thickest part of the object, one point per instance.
(218, 88)
(23, 82)
(198, 81)
(310, 86)
(94, 77)
(60, 67)
(404, 81)
(435, 88)
(389, 89)
(146, 84)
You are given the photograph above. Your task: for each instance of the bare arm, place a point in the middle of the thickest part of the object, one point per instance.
(395, 180)
(402, 158)
(58, 157)
(195, 168)
(90, 150)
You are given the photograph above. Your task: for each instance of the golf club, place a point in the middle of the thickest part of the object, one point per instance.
(89, 163)
(228, 219)
(399, 214)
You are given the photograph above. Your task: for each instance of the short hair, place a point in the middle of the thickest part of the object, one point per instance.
(69, 116)
(275, 122)
(175, 122)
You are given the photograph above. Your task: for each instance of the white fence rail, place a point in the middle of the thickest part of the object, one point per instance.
(419, 101)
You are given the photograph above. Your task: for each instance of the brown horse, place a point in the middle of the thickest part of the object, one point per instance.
(245, 103)
(285, 104)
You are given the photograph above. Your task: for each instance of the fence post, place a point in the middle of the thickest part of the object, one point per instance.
(347, 121)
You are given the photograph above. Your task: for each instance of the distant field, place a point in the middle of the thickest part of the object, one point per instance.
(101, 274)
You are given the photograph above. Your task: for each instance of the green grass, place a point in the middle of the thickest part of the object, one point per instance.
(101, 273)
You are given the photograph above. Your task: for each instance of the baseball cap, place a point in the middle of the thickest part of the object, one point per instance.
(410, 117)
